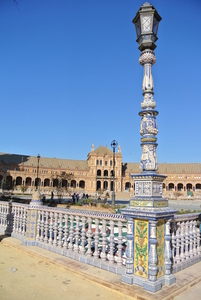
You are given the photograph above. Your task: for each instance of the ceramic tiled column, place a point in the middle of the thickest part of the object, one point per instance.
(148, 210)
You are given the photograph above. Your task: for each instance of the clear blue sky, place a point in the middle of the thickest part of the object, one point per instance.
(70, 76)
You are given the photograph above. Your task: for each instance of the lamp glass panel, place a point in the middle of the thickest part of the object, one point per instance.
(138, 27)
(146, 23)
(155, 26)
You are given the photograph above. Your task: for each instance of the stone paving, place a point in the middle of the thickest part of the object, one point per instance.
(47, 275)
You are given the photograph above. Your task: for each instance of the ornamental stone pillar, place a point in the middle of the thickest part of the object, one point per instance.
(32, 218)
(148, 211)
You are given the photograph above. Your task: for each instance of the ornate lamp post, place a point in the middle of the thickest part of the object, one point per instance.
(149, 258)
(38, 187)
(114, 144)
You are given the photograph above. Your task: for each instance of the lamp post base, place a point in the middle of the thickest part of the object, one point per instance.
(113, 198)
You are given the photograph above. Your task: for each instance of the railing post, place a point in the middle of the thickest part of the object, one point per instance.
(111, 257)
(55, 228)
(50, 241)
(71, 232)
(128, 278)
(32, 218)
(46, 226)
(169, 278)
(198, 240)
(194, 239)
(182, 256)
(77, 234)
(42, 227)
(65, 245)
(89, 233)
(187, 240)
(119, 259)
(152, 267)
(178, 238)
(104, 242)
(96, 253)
(191, 239)
(173, 228)
(82, 250)
(60, 230)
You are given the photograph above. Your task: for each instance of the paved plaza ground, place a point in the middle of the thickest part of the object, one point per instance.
(35, 273)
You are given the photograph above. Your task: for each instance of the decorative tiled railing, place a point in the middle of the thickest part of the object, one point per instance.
(99, 239)
(13, 218)
(95, 238)
(19, 220)
(185, 235)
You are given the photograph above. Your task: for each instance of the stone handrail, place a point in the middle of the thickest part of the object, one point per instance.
(83, 233)
(185, 235)
(95, 236)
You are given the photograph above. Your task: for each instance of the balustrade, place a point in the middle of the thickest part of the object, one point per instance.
(18, 216)
(97, 235)
(84, 233)
(185, 238)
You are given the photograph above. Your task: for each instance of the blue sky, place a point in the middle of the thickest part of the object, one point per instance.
(70, 76)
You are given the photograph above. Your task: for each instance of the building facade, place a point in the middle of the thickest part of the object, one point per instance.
(93, 174)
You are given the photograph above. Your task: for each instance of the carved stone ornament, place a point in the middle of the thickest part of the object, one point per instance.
(148, 125)
(149, 161)
(147, 56)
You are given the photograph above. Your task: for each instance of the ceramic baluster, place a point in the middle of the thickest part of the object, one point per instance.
(89, 233)
(111, 257)
(71, 232)
(82, 250)
(51, 228)
(46, 226)
(182, 234)
(38, 226)
(42, 226)
(152, 267)
(187, 240)
(77, 234)
(104, 241)
(96, 252)
(60, 230)
(198, 240)
(119, 259)
(55, 229)
(65, 245)
(191, 239)
(194, 239)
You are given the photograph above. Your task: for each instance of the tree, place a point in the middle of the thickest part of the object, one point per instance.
(61, 189)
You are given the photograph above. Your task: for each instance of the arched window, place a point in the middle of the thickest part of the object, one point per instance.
(98, 186)
(198, 186)
(64, 183)
(9, 180)
(111, 187)
(98, 172)
(37, 182)
(111, 173)
(189, 186)
(105, 185)
(180, 187)
(127, 185)
(28, 181)
(46, 182)
(73, 183)
(171, 186)
(82, 184)
(105, 172)
(19, 180)
(55, 182)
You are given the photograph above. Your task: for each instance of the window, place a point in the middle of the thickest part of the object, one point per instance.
(110, 163)
(97, 162)
(100, 162)
(106, 163)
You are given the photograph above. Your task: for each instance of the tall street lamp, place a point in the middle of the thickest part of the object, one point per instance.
(113, 145)
(148, 212)
(37, 186)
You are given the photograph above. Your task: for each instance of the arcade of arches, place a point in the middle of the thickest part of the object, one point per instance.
(94, 173)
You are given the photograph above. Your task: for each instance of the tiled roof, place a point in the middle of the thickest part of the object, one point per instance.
(44, 161)
(166, 168)
(103, 150)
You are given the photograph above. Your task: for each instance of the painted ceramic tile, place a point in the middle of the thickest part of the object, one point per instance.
(141, 248)
(160, 247)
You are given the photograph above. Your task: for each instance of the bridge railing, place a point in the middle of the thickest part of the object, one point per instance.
(185, 233)
(87, 236)
(95, 238)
